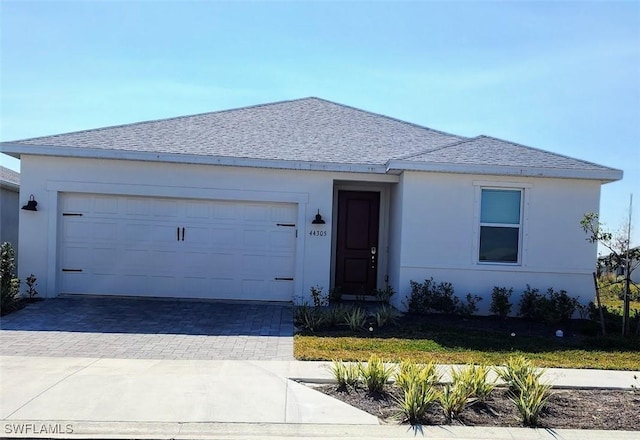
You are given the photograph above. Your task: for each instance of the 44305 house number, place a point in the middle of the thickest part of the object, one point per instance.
(315, 233)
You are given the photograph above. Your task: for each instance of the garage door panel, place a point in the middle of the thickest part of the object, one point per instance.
(105, 231)
(138, 207)
(281, 290)
(226, 236)
(105, 205)
(76, 230)
(78, 203)
(284, 214)
(255, 239)
(198, 210)
(198, 236)
(282, 239)
(164, 208)
(76, 257)
(135, 246)
(256, 213)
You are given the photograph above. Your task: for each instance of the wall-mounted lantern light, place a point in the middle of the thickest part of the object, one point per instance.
(318, 220)
(31, 204)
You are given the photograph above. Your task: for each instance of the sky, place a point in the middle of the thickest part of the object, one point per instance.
(561, 76)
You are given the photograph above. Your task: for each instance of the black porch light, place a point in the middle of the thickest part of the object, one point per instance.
(31, 204)
(318, 220)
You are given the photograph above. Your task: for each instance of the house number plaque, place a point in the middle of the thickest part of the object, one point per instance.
(316, 233)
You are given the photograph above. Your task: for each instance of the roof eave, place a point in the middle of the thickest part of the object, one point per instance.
(11, 186)
(16, 150)
(604, 175)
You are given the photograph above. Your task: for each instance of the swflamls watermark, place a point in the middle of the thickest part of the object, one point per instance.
(35, 428)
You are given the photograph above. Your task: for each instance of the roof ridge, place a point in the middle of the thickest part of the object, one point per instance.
(413, 124)
(173, 118)
(546, 151)
(453, 144)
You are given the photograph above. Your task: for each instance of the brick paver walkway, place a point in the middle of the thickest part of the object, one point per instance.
(149, 329)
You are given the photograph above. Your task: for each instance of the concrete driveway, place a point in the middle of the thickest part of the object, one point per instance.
(131, 328)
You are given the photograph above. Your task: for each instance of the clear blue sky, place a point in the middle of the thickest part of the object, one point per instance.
(562, 76)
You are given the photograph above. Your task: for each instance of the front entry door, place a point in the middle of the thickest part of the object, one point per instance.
(357, 242)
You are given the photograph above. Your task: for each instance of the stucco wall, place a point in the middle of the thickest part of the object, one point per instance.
(46, 178)
(439, 235)
(9, 209)
(432, 218)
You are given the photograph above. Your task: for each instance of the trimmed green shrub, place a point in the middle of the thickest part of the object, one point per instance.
(500, 304)
(9, 284)
(429, 297)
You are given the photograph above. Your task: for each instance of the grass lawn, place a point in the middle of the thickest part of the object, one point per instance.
(478, 340)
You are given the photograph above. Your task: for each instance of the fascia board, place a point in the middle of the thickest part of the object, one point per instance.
(605, 175)
(10, 186)
(87, 153)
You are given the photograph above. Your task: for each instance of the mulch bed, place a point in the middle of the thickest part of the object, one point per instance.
(567, 408)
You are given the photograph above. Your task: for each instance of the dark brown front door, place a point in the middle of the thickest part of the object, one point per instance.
(357, 242)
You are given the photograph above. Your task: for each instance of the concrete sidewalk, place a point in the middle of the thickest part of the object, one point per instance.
(143, 398)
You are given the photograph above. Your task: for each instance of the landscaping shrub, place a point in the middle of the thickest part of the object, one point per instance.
(475, 379)
(375, 374)
(310, 318)
(429, 297)
(356, 318)
(9, 284)
(469, 306)
(515, 370)
(560, 306)
(500, 304)
(530, 306)
(530, 398)
(345, 373)
(318, 297)
(386, 315)
(409, 373)
(384, 295)
(552, 307)
(416, 400)
(336, 314)
(31, 283)
(454, 398)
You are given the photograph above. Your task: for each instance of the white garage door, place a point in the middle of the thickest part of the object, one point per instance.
(118, 245)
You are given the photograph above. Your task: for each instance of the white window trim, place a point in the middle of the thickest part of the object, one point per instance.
(504, 186)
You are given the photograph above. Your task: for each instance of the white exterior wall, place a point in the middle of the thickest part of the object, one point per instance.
(9, 209)
(47, 177)
(440, 225)
(432, 218)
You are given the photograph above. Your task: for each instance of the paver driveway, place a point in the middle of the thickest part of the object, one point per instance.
(149, 329)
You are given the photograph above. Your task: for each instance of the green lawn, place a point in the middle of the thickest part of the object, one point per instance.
(460, 343)
(603, 353)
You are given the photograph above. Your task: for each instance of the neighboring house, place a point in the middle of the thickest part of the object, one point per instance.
(263, 202)
(605, 266)
(9, 206)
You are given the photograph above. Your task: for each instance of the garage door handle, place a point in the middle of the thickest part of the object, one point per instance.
(182, 234)
(178, 233)
(283, 279)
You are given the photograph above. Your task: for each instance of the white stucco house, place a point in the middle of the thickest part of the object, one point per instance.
(263, 202)
(9, 206)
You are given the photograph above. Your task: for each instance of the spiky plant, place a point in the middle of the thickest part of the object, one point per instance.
(375, 374)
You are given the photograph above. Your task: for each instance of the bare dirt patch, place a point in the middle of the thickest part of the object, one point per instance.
(567, 408)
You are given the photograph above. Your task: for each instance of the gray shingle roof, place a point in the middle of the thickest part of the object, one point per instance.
(309, 129)
(309, 133)
(497, 152)
(9, 176)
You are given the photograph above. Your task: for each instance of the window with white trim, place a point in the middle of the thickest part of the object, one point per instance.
(500, 225)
